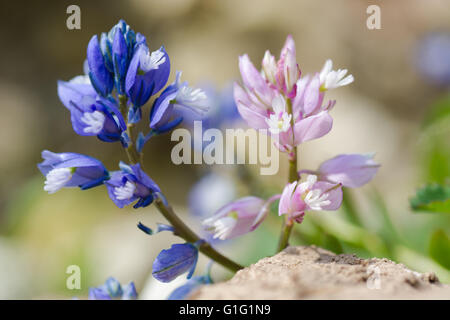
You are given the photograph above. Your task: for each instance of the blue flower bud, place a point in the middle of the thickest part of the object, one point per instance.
(129, 292)
(120, 60)
(98, 294)
(99, 74)
(113, 287)
(175, 261)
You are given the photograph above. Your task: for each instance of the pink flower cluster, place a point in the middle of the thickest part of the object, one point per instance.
(277, 98)
(292, 109)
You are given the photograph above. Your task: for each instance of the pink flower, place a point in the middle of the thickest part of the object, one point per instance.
(352, 170)
(238, 217)
(263, 99)
(311, 195)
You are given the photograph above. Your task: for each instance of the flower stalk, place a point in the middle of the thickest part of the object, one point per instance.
(181, 229)
(131, 151)
(288, 224)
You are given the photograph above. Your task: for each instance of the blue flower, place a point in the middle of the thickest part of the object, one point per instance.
(71, 170)
(91, 115)
(171, 263)
(129, 184)
(112, 289)
(183, 291)
(222, 109)
(147, 74)
(177, 95)
(161, 113)
(433, 58)
(163, 117)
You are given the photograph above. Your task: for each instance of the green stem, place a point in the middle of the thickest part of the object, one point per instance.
(293, 176)
(131, 151)
(181, 229)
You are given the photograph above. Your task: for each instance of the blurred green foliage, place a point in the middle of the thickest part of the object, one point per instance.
(432, 198)
(440, 248)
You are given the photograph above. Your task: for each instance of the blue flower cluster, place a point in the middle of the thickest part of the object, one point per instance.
(121, 75)
(112, 289)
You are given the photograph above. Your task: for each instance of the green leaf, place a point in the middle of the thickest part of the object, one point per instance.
(440, 248)
(432, 198)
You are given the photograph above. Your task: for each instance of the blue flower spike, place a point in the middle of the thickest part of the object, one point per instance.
(112, 290)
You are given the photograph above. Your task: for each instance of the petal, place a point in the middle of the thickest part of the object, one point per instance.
(334, 192)
(171, 263)
(162, 108)
(289, 44)
(72, 93)
(100, 77)
(312, 96)
(284, 206)
(253, 80)
(144, 179)
(352, 170)
(312, 127)
(253, 118)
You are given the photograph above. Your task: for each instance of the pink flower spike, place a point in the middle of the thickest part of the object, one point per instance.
(237, 218)
(352, 170)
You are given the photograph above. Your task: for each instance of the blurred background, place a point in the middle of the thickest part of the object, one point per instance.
(398, 107)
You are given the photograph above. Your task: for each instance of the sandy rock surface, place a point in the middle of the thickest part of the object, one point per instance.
(315, 273)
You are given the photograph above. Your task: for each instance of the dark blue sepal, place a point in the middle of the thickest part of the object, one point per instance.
(94, 183)
(144, 228)
(144, 202)
(169, 126)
